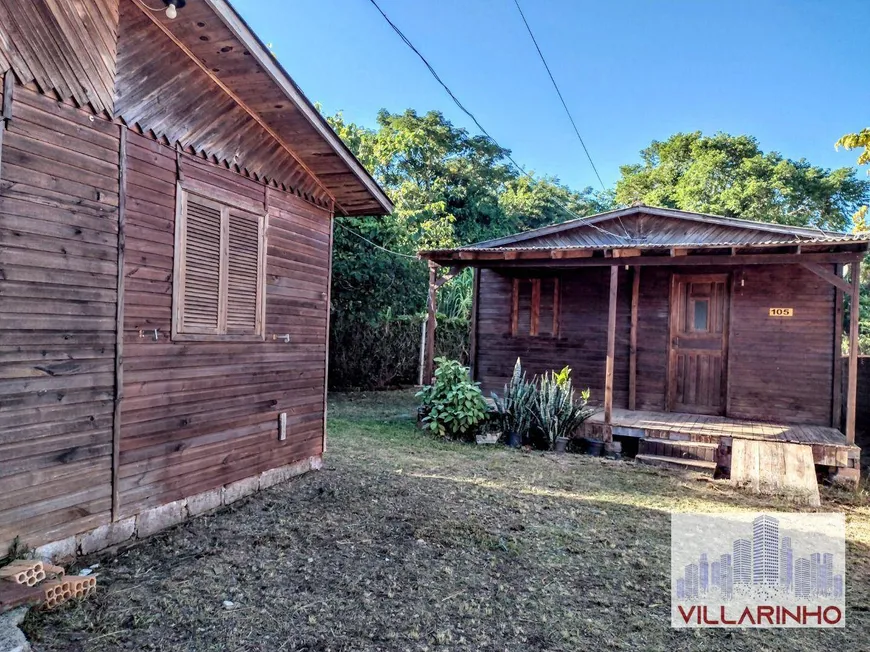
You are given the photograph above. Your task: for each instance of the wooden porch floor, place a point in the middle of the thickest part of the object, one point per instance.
(641, 422)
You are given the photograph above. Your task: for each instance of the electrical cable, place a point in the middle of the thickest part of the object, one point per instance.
(374, 244)
(459, 104)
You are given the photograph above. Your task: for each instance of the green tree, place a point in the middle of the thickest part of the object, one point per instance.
(730, 175)
(861, 224)
(449, 188)
(857, 141)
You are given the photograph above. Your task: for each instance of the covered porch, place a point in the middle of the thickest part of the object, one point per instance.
(689, 327)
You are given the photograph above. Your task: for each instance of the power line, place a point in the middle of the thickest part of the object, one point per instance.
(559, 93)
(374, 244)
(456, 101)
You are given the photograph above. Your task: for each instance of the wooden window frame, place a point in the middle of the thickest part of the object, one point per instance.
(535, 308)
(224, 204)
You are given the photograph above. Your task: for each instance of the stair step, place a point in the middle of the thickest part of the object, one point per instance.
(680, 463)
(682, 442)
(676, 448)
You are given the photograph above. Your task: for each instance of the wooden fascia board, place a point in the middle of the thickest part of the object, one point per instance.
(277, 73)
(226, 89)
(650, 261)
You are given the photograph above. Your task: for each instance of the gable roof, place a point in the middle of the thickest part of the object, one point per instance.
(648, 226)
(647, 230)
(203, 81)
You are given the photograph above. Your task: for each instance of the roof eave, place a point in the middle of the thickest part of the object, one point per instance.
(237, 25)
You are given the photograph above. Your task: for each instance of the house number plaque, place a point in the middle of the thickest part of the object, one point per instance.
(782, 312)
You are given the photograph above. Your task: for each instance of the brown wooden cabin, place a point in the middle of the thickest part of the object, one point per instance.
(683, 325)
(166, 203)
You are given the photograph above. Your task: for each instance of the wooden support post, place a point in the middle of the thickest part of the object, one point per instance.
(119, 322)
(431, 305)
(837, 393)
(632, 350)
(852, 390)
(611, 352)
(472, 341)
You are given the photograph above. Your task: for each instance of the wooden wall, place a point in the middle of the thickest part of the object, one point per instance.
(779, 368)
(58, 280)
(197, 415)
(583, 341)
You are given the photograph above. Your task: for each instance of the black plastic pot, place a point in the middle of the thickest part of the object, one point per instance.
(514, 439)
(594, 447)
(561, 444)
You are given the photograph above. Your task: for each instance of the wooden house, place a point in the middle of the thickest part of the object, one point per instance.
(684, 326)
(166, 203)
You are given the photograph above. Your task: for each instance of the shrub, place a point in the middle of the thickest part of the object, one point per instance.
(556, 411)
(453, 405)
(515, 409)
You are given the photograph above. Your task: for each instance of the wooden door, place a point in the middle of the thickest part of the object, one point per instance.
(699, 343)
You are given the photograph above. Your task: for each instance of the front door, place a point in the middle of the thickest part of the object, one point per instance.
(699, 343)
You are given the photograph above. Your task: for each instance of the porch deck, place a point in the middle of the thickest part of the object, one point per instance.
(828, 444)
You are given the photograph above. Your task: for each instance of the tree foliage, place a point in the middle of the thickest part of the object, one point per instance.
(730, 175)
(449, 188)
(860, 140)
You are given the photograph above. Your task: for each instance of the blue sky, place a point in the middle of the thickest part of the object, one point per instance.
(793, 73)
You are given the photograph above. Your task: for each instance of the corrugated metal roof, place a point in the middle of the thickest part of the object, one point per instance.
(840, 239)
(644, 227)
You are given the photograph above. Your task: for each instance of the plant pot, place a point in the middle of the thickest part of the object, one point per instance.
(514, 439)
(594, 447)
(561, 444)
(613, 450)
(488, 438)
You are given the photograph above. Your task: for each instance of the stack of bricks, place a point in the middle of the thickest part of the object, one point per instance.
(56, 591)
(22, 571)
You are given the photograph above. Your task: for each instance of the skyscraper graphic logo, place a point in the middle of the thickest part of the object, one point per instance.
(758, 570)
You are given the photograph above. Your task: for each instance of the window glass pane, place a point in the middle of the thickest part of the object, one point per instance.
(701, 315)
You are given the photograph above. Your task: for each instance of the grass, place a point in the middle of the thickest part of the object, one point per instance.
(403, 542)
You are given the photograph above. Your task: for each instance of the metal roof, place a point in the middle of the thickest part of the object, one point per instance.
(645, 227)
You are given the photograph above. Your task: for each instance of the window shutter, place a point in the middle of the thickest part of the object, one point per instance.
(548, 304)
(536, 304)
(202, 266)
(243, 272)
(524, 306)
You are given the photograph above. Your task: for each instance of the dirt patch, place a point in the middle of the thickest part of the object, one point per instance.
(402, 542)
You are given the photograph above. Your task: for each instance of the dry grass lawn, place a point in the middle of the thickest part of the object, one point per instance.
(406, 543)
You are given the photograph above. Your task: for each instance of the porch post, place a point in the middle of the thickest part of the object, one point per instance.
(429, 363)
(852, 390)
(632, 350)
(611, 352)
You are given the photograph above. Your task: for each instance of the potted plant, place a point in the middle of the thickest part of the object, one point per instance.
(558, 412)
(514, 409)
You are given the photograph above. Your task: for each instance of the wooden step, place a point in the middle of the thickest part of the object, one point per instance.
(678, 448)
(681, 464)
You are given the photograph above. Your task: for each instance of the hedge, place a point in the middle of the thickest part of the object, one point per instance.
(365, 355)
